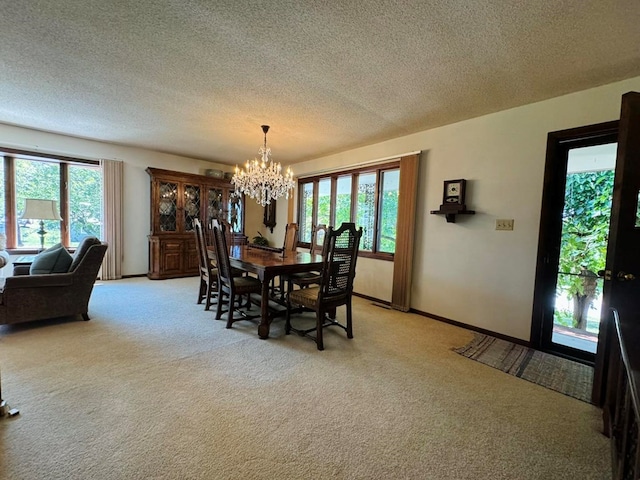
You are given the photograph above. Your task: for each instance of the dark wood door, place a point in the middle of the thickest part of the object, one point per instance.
(621, 287)
(560, 144)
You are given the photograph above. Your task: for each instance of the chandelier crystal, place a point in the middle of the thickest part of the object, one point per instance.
(263, 180)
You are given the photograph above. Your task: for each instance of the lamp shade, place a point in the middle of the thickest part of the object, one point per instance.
(36, 209)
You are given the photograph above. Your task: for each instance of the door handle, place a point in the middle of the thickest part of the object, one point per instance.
(625, 277)
(606, 274)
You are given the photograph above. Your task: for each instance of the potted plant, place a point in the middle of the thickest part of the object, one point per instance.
(260, 240)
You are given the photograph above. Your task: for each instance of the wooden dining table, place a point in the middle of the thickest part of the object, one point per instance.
(267, 265)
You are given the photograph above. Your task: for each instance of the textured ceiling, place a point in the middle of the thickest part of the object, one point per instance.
(198, 78)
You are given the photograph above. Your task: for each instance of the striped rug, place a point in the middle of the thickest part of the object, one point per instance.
(556, 373)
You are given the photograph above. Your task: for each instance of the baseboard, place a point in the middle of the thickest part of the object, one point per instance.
(384, 303)
(372, 299)
(484, 331)
(135, 276)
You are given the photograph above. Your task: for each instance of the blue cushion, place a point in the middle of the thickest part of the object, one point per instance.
(53, 260)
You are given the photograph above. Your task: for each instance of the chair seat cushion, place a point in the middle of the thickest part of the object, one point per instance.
(53, 260)
(306, 297)
(247, 282)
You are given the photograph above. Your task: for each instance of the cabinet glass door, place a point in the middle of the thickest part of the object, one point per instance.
(191, 206)
(167, 206)
(215, 205)
(234, 211)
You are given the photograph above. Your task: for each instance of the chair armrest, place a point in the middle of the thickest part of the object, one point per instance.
(34, 281)
(21, 270)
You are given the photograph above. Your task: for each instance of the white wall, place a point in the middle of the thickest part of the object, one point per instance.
(468, 271)
(137, 184)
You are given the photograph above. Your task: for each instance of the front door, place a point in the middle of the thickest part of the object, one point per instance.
(621, 288)
(623, 246)
(576, 207)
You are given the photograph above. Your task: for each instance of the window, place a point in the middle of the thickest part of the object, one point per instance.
(34, 179)
(306, 212)
(85, 202)
(75, 185)
(389, 211)
(367, 196)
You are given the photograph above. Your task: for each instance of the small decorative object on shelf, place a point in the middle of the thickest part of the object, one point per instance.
(453, 200)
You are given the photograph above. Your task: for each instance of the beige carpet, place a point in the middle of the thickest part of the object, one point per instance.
(154, 388)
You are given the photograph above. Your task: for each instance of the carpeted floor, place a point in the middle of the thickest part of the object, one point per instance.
(559, 374)
(154, 388)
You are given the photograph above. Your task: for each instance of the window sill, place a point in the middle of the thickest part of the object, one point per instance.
(378, 256)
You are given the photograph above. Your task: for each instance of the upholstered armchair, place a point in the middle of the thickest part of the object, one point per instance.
(27, 297)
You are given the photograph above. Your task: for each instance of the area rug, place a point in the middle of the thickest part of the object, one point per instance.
(556, 373)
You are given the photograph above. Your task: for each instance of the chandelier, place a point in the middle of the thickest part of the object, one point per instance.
(263, 180)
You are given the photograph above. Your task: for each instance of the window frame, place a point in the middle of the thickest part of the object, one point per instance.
(354, 173)
(9, 156)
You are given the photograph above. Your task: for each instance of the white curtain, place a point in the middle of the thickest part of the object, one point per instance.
(112, 192)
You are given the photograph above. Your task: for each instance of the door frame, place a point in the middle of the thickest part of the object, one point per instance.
(550, 234)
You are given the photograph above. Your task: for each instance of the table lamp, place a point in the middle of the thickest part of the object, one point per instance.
(36, 209)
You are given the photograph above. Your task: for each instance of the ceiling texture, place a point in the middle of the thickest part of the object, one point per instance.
(198, 77)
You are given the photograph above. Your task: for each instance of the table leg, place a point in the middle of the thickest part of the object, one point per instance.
(263, 328)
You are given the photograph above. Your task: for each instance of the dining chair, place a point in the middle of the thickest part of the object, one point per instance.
(305, 279)
(228, 284)
(290, 238)
(289, 247)
(340, 253)
(208, 274)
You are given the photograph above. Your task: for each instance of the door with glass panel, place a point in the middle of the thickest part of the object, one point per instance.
(583, 248)
(572, 253)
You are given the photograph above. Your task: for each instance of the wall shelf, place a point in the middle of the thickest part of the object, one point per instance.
(450, 212)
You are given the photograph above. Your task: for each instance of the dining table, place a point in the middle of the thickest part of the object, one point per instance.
(267, 264)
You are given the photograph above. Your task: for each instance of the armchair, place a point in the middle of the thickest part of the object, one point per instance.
(26, 298)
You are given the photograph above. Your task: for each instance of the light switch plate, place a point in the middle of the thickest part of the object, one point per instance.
(504, 224)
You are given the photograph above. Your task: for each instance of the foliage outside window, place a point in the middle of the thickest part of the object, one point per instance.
(389, 210)
(368, 197)
(585, 230)
(305, 212)
(80, 204)
(39, 180)
(85, 202)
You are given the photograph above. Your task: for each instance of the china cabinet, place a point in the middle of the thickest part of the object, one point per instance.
(176, 200)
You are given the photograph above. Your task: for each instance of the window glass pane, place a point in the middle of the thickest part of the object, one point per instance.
(324, 201)
(306, 212)
(37, 180)
(366, 209)
(388, 211)
(343, 200)
(85, 203)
